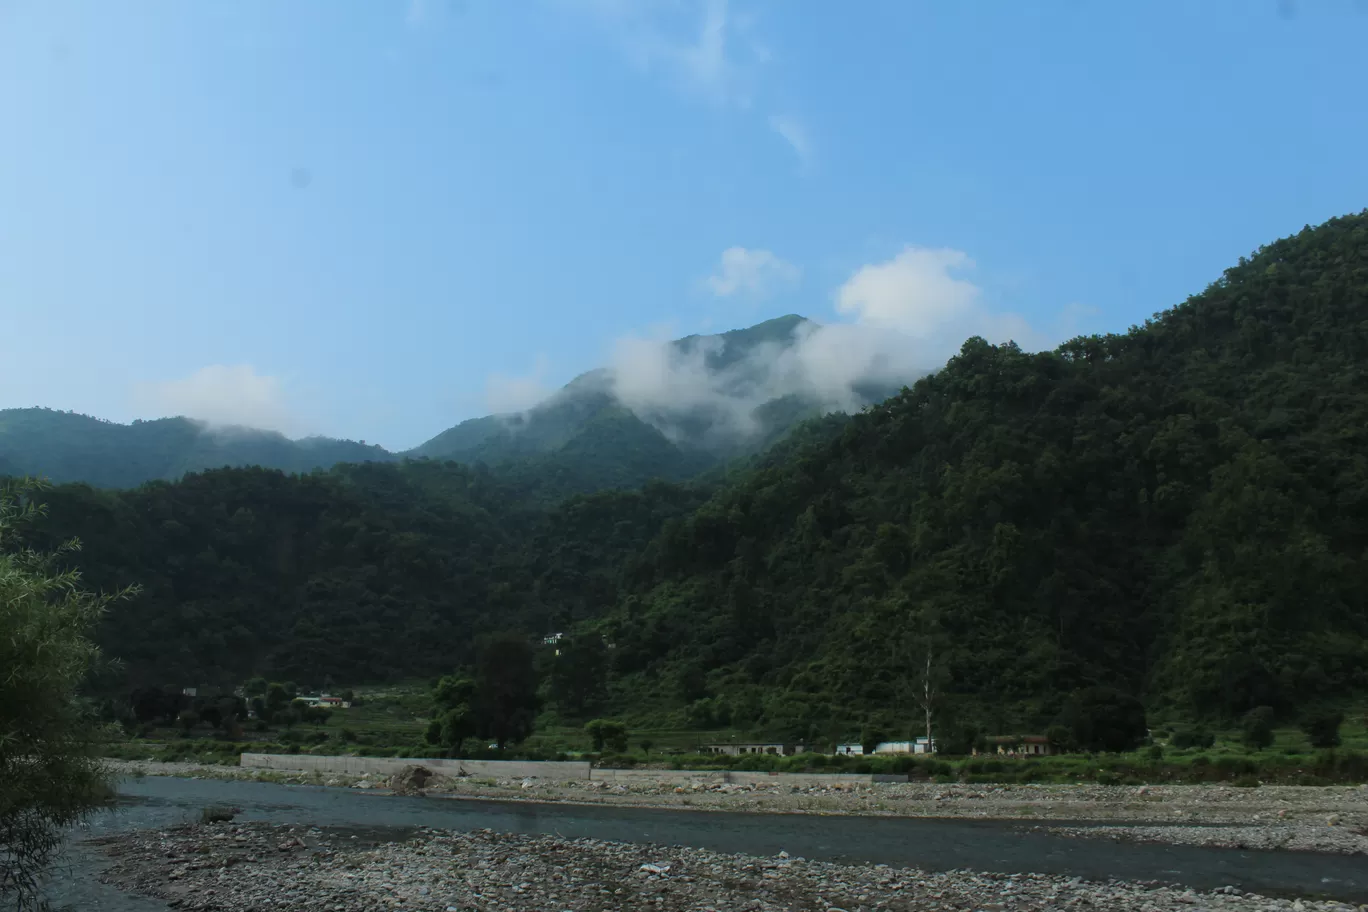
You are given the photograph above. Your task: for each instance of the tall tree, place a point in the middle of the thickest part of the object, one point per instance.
(578, 674)
(50, 771)
(453, 719)
(505, 699)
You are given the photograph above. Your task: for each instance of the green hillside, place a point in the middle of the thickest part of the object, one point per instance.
(63, 446)
(369, 572)
(1179, 511)
(580, 440)
(740, 359)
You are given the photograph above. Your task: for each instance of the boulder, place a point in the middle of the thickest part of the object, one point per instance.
(411, 779)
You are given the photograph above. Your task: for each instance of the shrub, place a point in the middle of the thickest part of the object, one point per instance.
(607, 734)
(1323, 728)
(1105, 719)
(1060, 738)
(50, 773)
(1256, 729)
(1194, 736)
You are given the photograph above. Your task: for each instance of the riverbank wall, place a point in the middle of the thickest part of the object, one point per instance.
(388, 766)
(548, 769)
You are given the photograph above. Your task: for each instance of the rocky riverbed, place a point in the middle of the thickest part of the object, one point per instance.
(231, 867)
(1294, 837)
(1328, 819)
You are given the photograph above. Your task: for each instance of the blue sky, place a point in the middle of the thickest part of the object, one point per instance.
(373, 220)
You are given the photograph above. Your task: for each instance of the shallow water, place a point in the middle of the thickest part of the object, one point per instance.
(980, 845)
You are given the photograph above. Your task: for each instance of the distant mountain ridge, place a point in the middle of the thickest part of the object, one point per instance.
(1178, 512)
(66, 447)
(596, 432)
(732, 359)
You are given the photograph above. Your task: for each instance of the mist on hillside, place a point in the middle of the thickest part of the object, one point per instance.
(906, 316)
(678, 387)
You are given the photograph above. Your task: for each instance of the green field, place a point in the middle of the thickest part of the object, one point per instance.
(392, 721)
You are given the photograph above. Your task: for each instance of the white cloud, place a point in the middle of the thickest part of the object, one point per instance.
(505, 393)
(709, 50)
(221, 395)
(418, 12)
(753, 273)
(921, 293)
(906, 317)
(704, 62)
(700, 45)
(423, 12)
(795, 134)
(914, 292)
(673, 386)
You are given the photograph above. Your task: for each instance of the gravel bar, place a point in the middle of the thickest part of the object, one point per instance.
(230, 867)
(1293, 837)
(1312, 818)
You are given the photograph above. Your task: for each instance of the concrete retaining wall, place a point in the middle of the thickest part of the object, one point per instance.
(388, 766)
(544, 769)
(733, 777)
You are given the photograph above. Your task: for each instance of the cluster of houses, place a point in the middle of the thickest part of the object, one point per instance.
(919, 746)
(324, 700)
(1005, 746)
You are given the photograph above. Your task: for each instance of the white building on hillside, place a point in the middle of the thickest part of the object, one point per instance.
(919, 746)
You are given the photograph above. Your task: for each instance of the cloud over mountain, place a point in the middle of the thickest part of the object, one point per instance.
(221, 395)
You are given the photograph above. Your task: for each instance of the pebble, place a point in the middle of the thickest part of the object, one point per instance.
(447, 871)
(1287, 836)
(1312, 818)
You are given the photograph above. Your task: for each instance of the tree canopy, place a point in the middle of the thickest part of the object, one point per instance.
(1177, 513)
(50, 772)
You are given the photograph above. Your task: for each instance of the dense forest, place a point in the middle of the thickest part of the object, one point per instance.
(64, 446)
(1179, 511)
(580, 440)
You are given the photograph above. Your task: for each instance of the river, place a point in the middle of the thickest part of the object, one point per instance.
(980, 845)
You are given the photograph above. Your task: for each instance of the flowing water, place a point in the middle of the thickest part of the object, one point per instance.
(980, 845)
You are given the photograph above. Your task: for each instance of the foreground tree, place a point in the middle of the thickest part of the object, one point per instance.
(1104, 719)
(453, 720)
(505, 699)
(1256, 728)
(50, 771)
(609, 734)
(1322, 727)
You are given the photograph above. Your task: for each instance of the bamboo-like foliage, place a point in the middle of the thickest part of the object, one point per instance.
(51, 774)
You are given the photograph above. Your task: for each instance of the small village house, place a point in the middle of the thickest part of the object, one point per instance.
(736, 749)
(326, 701)
(917, 746)
(1020, 746)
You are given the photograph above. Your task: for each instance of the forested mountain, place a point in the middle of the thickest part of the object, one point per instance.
(739, 371)
(63, 446)
(363, 573)
(591, 435)
(1179, 511)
